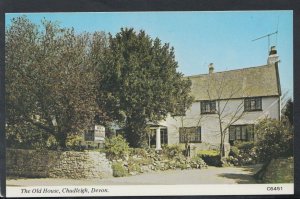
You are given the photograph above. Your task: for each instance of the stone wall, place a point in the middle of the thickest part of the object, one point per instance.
(57, 164)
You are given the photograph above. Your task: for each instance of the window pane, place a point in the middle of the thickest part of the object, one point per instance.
(258, 103)
(238, 133)
(213, 105)
(250, 132)
(247, 104)
(232, 133)
(252, 104)
(244, 133)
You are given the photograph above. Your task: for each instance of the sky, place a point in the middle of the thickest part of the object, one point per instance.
(199, 38)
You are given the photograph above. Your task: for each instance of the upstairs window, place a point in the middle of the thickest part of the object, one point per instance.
(252, 104)
(191, 134)
(208, 107)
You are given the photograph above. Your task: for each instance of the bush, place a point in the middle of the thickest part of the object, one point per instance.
(116, 148)
(134, 167)
(211, 157)
(72, 142)
(119, 170)
(234, 151)
(172, 151)
(141, 152)
(242, 153)
(244, 147)
(274, 139)
(197, 162)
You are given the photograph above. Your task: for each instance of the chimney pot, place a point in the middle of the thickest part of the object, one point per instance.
(273, 57)
(211, 68)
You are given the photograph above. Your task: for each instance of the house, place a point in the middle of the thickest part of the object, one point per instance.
(238, 97)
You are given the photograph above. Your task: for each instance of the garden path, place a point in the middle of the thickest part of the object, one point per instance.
(211, 175)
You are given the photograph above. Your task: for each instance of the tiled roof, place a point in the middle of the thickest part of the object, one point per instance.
(246, 82)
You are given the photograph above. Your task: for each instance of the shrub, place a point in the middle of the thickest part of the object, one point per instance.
(274, 139)
(141, 152)
(211, 157)
(197, 162)
(73, 141)
(134, 167)
(234, 151)
(116, 148)
(172, 151)
(244, 146)
(242, 153)
(119, 170)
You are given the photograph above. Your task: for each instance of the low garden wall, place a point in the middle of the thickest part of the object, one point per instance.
(57, 164)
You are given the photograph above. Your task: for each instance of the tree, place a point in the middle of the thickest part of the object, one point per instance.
(139, 83)
(275, 139)
(288, 111)
(50, 78)
(222, 89)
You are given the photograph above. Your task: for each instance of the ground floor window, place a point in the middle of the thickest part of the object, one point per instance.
(241, 132)
(191, 134)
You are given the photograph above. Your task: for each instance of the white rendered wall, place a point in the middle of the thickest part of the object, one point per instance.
(210, 130)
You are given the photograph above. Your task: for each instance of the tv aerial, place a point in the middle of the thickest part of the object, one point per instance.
(269, 35)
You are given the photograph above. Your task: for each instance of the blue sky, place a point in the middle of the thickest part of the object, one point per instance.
(199, 38)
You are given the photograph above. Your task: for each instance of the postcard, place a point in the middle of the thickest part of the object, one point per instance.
(149, 103)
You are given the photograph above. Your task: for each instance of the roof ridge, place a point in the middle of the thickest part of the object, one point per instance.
(239, 69)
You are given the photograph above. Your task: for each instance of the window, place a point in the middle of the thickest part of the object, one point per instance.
(252, 104)
(208, 107)
(163, 136)
(193, 134)
(241, 132)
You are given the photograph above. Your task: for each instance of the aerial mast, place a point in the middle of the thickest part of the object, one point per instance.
(267, 35)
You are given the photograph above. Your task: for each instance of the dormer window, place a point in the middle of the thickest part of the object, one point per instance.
(252, 104)
(208, 107)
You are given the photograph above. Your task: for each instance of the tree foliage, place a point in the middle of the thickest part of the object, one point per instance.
(139, 82)
(274, 139)
(50, 79)
(288, 111)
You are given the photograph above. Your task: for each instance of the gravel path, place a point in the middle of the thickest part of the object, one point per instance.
(211, 175)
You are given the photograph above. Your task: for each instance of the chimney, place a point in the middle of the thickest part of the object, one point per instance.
(273, 57)
(211, 68)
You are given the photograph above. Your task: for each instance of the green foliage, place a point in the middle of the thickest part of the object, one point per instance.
(208, 152)
(50, 80)
(288, 111)
(210, 157)
(242, 153)
(116, 148)
(119, 170)
(133, 167)
(172, 151)
(139, 83)
(234, 151)
(72, 142)
(197, 162)
(274, 139)
(244, 146)
(141, 152)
